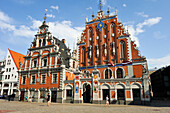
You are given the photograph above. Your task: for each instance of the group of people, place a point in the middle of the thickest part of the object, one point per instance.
(30, 99)
(48, 100)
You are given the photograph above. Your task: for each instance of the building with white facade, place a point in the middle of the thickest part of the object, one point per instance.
(2, 66)
(9, 79)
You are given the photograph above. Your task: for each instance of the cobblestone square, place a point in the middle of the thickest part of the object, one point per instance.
(25, 107)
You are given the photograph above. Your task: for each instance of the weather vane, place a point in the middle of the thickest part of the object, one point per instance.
(45, 14)
(100, 5)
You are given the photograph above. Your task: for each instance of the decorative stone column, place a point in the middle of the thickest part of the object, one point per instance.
(76, 87)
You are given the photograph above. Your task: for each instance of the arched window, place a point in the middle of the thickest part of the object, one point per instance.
(119, 73)
(40, 43)
(122, 50)
(108, 73)
(44, 42)
(83, 54)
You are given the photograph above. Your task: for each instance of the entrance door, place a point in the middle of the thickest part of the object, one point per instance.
(105, 93)
(136, 94)
(22, 96)
(121, 94)
(54, 96)
(86, 93)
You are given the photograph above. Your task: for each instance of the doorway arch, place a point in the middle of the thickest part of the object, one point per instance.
(86, 93)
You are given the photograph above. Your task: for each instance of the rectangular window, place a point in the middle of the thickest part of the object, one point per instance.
(45, 62)
(54, 78)
(33, 79)
(23, 79)
(34, 63)
(6, 69)
(5, 76)
(69, 93)
(9, 69)
(8, 76)
(43, 79)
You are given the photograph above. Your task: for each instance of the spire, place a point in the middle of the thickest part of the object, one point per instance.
(93, 15)
(115, 11)
(45, 15)
(108, 11)
(100, 5)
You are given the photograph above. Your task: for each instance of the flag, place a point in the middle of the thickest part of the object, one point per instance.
(110, 64)
(126, 63)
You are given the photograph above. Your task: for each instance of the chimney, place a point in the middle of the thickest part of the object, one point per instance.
(63, 40)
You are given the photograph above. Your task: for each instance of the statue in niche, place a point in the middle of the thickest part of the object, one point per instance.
(90, 52)
(97, 51)
(105, 50)
(113, 48)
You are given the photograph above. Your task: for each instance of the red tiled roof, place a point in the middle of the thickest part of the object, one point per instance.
(17, 57)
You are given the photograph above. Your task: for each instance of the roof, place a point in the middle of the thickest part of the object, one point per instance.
(17, 57)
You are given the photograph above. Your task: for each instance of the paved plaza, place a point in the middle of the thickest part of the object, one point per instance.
(25, 107)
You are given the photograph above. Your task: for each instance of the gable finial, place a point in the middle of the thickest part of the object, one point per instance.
(116, 11)
(100, 5)
(45, 14)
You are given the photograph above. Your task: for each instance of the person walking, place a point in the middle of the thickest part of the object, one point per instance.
(107, 101)
(48, 100)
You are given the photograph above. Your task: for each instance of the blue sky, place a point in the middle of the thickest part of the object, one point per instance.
(147, 20)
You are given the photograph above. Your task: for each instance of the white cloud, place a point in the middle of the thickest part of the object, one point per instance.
(149, 22)
(2, 54)
(61, 29)
(65, 30)
(159, 62)
(142, 14)
(4, 17)
(140, 28)
(124, 5)
(6, 26)
(89, 8)
(104, 2)
(50, 15)
(65, 22)
(24, 31)
(55, 7)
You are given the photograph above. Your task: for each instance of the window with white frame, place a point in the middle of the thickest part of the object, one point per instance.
(44, 62)
(119, 73)
(43, 79)
(23, 79)
(54, 78)
(108, 73)
(34, 63)
(33, 79)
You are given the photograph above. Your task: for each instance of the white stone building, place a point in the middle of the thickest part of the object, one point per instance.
(9, 79)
